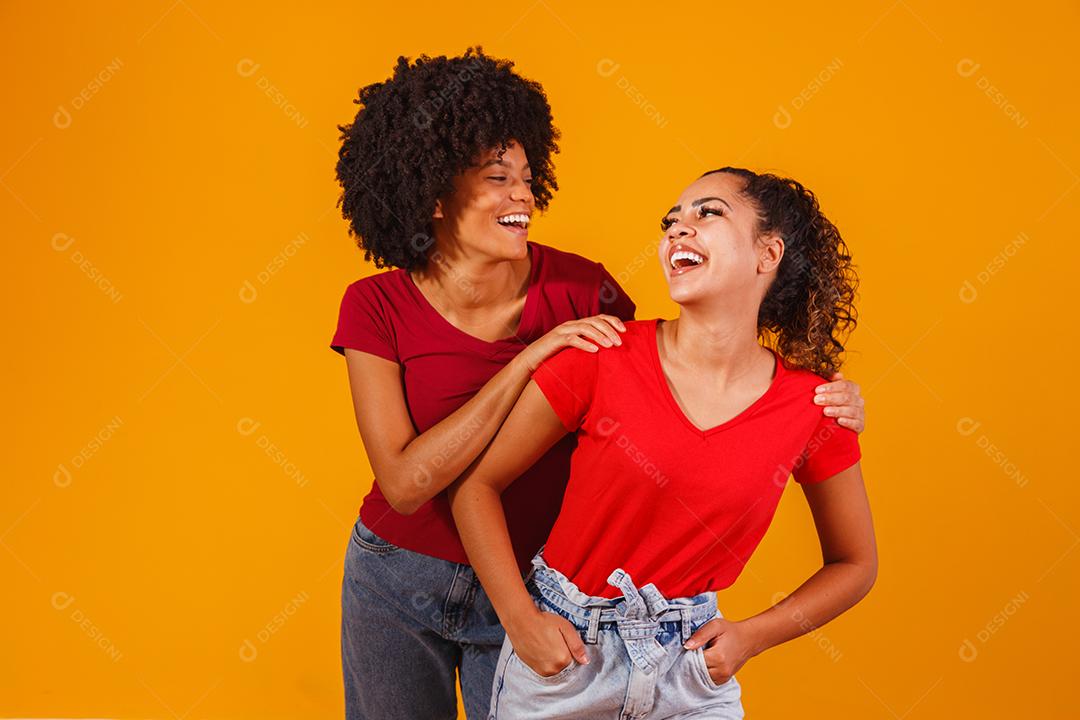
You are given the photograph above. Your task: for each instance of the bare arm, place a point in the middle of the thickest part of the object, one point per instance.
(845, 529)
(545, 641)
(410, 468)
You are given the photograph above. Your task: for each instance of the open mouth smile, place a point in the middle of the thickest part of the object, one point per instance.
(516, 223)
(684, 258)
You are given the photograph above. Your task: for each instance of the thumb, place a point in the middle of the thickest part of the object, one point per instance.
(704, 633)
(574, 644)
(837, 376)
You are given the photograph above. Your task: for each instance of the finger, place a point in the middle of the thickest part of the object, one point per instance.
(843, 411)
(605, 327)
(574, 644)
(834, 398)
(595, 334)
(577, 342)
(838, 386)
(704, 634)
(616, 322)
(853, 423)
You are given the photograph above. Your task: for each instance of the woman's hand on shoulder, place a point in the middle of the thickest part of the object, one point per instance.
(584, 333)
(843, 401)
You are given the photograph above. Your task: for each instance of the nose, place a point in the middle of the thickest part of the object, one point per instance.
(521, 191)
(679, 230)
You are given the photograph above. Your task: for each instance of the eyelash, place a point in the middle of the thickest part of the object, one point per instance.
(668, 222)
(503, 177)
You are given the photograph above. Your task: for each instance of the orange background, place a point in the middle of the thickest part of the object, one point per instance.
(183, 464)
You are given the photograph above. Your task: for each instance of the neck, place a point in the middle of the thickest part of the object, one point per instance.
(723, 345)
(466, 280)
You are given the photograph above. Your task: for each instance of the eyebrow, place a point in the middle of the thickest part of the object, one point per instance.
(499, 161)
(700, 201)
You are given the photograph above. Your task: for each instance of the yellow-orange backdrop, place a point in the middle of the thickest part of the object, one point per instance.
(183, 465)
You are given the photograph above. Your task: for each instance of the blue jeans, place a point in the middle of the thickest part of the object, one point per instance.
(637, 665)
(409, 623)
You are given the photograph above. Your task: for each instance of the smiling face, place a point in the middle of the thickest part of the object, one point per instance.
(490, 208)
(711, 247)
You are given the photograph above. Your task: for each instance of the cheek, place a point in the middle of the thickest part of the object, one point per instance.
(475, 210)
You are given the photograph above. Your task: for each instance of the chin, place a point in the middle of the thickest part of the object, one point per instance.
(681, 293)
(512, 248)
(682, 297)
(690, 296)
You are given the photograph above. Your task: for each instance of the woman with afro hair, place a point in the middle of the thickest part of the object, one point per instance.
(442, 171)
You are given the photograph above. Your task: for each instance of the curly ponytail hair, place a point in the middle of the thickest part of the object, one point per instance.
(808, 311)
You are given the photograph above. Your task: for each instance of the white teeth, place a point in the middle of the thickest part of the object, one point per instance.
(509, 219)
(686, 255)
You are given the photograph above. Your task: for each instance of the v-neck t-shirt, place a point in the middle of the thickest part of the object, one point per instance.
(671, 503)
(443, 366)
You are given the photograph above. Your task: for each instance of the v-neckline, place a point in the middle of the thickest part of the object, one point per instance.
(667, 392)
(524, 322)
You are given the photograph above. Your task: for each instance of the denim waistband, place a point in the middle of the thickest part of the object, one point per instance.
(636, 615)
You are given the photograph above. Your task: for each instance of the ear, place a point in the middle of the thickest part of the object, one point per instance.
(438, 214)
(770, 253)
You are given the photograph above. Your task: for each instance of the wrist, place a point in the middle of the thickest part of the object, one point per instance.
(521, 364)
(515, 622)
(756, 636)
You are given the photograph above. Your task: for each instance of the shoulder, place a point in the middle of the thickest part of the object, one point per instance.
(568, 267)
(638, 343)
(388, 280)
(801, 376)
(563, 258)
(382, 297)
(641, 329)
(635, 346)
(798, 384)
(378, 288)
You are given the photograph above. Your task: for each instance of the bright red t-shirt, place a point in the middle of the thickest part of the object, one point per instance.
(442, 367)
(649, 492)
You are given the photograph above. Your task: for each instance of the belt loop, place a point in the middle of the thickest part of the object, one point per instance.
(593, 632)
(687, 623)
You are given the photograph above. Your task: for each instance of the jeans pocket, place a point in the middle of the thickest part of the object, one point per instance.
(546, 679)
(366, 539)
(698, 659)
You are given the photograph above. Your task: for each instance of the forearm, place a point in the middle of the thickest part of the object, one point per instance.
(481, 522)
(833, 589)
(436, 457)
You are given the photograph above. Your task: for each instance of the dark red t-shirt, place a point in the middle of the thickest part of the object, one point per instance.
(650, 492)
(442, 367)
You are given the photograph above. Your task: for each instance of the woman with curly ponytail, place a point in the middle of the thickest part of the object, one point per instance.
(808, 309)
(687, 434)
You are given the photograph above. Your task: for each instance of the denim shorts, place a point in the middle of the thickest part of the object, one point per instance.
(638, 667)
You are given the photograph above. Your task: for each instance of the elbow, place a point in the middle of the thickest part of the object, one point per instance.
(403, 506)
(869, 577)
(403, 494)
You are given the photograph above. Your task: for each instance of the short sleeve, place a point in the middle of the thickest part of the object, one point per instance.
(613, 299)
(829, 450)
(568, 381)
(363, 323)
